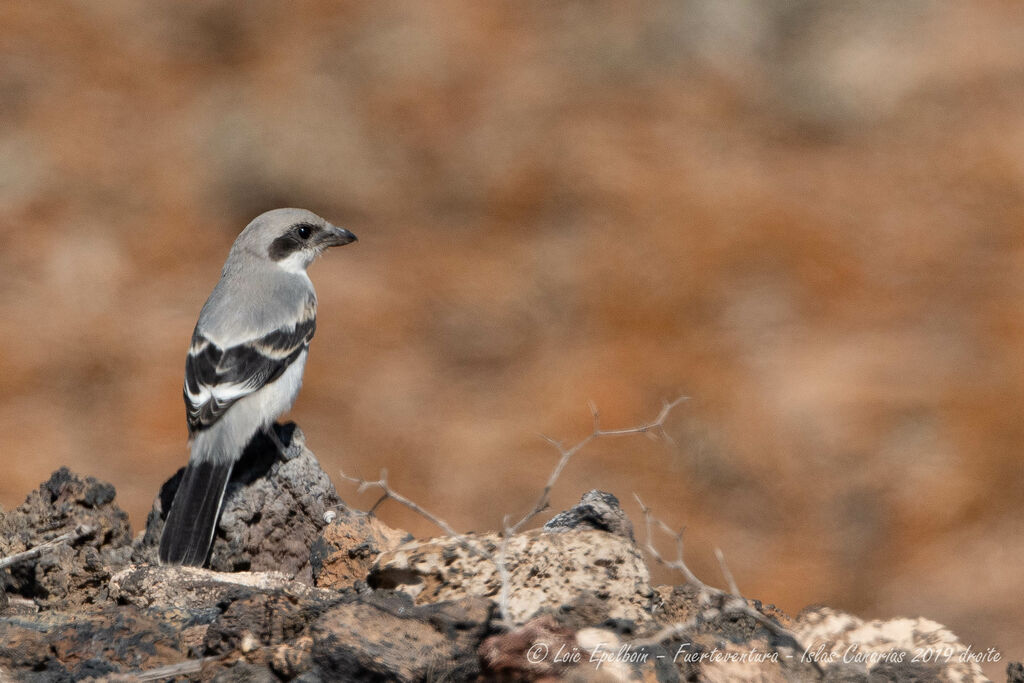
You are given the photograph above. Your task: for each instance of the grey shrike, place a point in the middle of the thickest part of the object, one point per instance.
(244, 367)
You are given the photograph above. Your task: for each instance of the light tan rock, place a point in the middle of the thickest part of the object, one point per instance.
(544, 571)
(347, 547)
(918, 647)
(192, 588)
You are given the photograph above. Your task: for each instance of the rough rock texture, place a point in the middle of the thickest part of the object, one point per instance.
(347, 547)
(191, 588)
(596, 510)
(71, 573)
(386, 637)
(273, 510)
(885, 649)
(268, 628)
(545, 571)
(71, 645)
(579, 602)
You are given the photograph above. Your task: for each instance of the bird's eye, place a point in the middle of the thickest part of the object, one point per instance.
(305, 231)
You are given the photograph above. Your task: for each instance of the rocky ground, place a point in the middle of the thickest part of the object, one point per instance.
(300, 587)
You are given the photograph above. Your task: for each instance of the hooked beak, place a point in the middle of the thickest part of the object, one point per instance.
(334, 236)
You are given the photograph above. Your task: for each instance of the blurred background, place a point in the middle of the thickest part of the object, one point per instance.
(806, 216)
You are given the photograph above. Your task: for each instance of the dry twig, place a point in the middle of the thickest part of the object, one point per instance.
(726, 574)
(388, 492)
(79, 532)
(731, 603)
(655, 427)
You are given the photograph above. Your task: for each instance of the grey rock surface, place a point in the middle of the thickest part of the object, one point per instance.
(429, 610)
(192, 588)
(596, 510)
(273, 510)
(386, 637)
(72, 573)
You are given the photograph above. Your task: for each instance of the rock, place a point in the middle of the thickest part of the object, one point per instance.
(347, 547)
(72, 573)
(685, 603)
(244, 672)
(269, 629)
(676, 604)
(75, 645)
(385, 637)
(192, 588)
(329, 635)
(596, 510)
(545, 571)
(884, 650)
(545, 648)
(717, 644)
(273, 510)
(579, 602)
(529, 650)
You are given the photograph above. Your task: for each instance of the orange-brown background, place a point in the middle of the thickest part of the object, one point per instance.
(808, 217)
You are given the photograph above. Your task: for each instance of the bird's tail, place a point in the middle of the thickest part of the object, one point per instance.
(188, 531)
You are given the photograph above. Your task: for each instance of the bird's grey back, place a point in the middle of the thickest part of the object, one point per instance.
(255, 296)
(252, 301)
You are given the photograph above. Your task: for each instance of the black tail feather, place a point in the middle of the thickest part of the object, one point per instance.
(188, 531)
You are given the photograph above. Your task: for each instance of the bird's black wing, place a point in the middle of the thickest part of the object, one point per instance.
(216, 377)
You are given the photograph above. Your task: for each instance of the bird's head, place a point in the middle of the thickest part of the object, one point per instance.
(291, 238)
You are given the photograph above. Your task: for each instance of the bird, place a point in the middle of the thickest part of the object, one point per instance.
(244, 364)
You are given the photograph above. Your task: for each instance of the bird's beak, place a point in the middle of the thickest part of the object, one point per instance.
(334, 236)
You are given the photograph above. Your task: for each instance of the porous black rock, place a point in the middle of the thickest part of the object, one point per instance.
(272, 514)
(75, 572)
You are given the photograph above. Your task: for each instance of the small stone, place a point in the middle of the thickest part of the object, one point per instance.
(545, 571)
(348, 546)
(272, 513)
(73, 572)
(596, 510)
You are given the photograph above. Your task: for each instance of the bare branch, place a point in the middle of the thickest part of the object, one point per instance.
(503, 574)
(678, 564)
(79, 532)
(731, 602)
(729, 581)
(654, 428)
(389, 492)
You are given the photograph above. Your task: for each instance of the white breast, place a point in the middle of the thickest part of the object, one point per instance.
(225, 440)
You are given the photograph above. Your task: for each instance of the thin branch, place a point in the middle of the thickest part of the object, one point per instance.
(731, 603)
(389, 492)
(729, 581)
(678, 564)
(654, 428)
(73, 536)
(504, 575)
